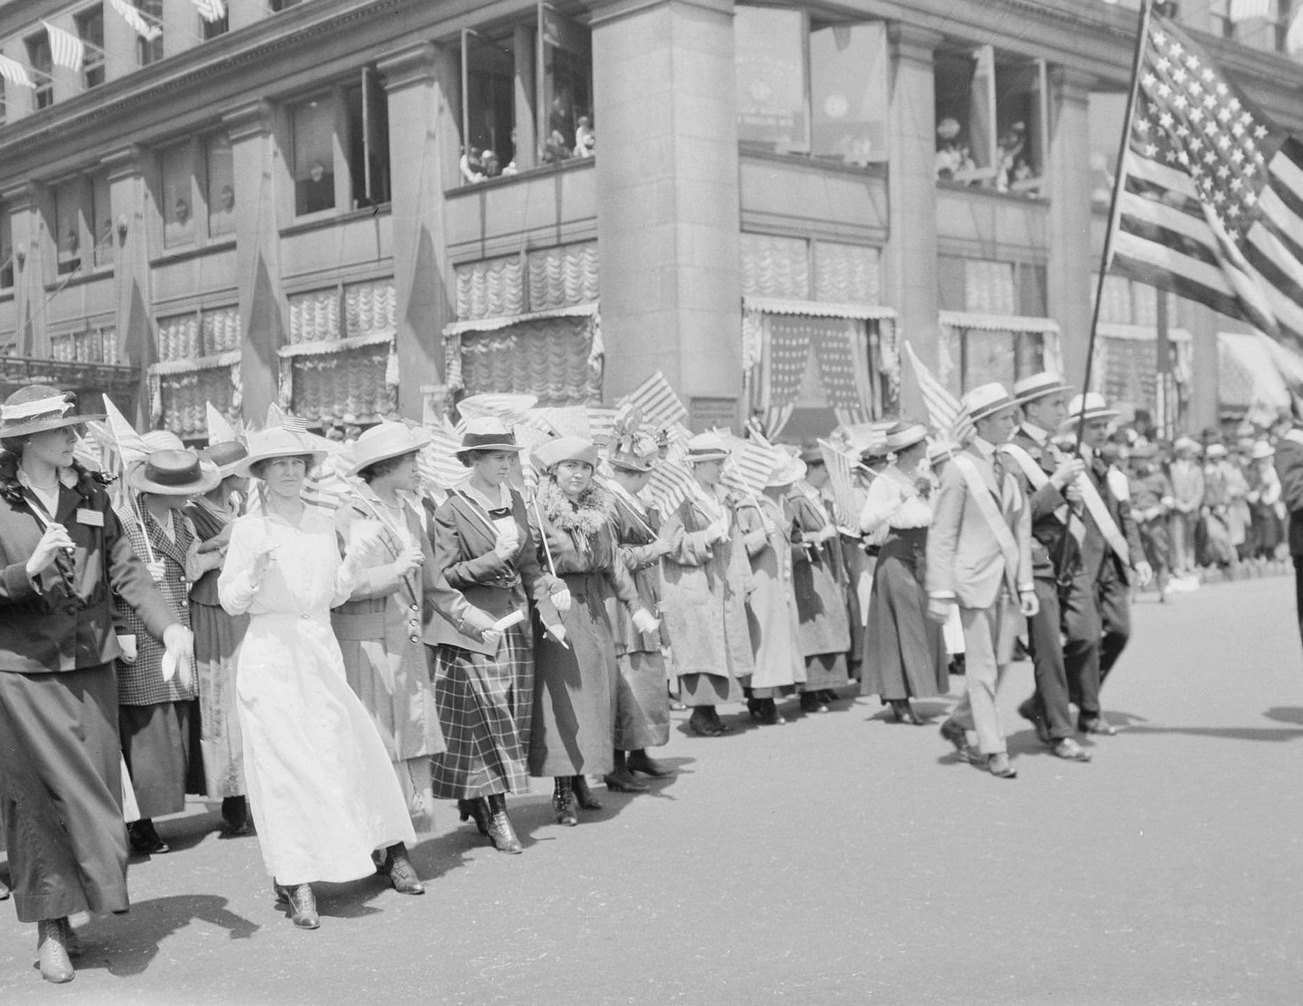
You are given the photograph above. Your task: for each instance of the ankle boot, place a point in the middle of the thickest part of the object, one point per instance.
(563, 801)
(640, 761)
(475, 809)
(302, 905)
(400, 871)
(144, 840)
(501, 832)
(52, 952)
(584, 795)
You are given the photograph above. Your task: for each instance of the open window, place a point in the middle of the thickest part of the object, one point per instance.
(40, 59)
(565, 112)
(66, 225)
(367, 119)
(488, 111)
(770, 58)
(848, 85)
(313, 125)
(177, 168)
(90, 29)
(219, 181)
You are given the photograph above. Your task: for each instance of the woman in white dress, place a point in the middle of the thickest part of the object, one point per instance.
(322, 790)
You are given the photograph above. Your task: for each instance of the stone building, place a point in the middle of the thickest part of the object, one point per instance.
(358, 207)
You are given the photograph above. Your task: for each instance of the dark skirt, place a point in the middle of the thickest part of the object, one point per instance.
(824, 671)
(642, 705)
(709, 690)
(484, 706)
(160, 744)
(61, 792)
(904, 656)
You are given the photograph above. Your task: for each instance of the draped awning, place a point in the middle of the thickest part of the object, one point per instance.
(1140, 333)
(506, 321)
(998, 322)
(817, 308)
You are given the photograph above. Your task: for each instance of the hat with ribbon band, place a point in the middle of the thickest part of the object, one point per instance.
(488, 433)
(174, 473)
(278, 442)
(385, 441)
(38, 408)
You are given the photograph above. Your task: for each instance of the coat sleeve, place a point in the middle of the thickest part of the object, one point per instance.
(1023, 532)
(751, 523)
(881, 501)
(379, 580)
(943, 535)
(1289, 466)
(1131, 531)
(131, 580)
(692, 549)
(462, 573)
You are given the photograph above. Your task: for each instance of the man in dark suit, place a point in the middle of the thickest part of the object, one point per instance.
(1289, 466)
(1095, 603)
(1046, 478)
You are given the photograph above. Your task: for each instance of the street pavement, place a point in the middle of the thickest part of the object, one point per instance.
(838, 858)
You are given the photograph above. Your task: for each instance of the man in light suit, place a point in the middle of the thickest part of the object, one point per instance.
(979, 557)
(1289, 468)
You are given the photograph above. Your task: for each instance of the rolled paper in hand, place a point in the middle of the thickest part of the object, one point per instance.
(507, 621)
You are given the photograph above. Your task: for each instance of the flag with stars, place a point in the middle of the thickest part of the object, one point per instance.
(834, 351)
(783, 363)
(1210, 198)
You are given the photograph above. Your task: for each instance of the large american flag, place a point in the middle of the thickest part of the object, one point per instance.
(656, 402)
(1210, 198)
(945, 415)
(66, 49)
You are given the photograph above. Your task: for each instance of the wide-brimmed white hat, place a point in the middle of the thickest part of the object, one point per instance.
(1089, 406)
(986, 400)
(384, 441)
(905, 435)
(1029, 389)
(226, 456)
(1215, 451)
(1261, 451)
(787, 471)
(940, 450)
(707, 447)
(551, 453)
(37, 408)
(487, 433)
(174, 473)
(278, 442)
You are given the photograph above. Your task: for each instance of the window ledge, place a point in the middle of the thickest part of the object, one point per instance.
(502, 181)
(225, 243)
(875, 169)
(978, 190)
(329, 218)
(78, 278)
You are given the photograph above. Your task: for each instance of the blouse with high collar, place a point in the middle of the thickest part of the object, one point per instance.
(893, 500)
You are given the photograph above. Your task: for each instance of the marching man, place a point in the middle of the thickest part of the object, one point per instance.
(979, 557)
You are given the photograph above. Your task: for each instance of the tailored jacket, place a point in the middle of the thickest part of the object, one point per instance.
(1054, 551)
(1095, 550)
(1289, 466)
(465, 562)
(140, 683)
(64, 621)
(635, 529)
(964, 559)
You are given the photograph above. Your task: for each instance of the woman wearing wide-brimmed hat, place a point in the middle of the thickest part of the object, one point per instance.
(381, 626)
(575, 672)
(63, 554)
(321, 788)
(906, 657)
(486, 553)
(157, 712)
(217, 638)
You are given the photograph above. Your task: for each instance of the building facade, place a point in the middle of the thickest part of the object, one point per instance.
(367, 207)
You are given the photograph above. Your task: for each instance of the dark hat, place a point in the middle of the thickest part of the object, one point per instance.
(225, 456)
(488, 433)
(38, 408)
(174, 473)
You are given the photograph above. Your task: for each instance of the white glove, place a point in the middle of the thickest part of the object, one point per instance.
(506, 545)
(557, 632)
(645, 622)
(827, 534)
(561, 601)
(364, 541)
(179, 658)
(1144, 573)
(717, 531)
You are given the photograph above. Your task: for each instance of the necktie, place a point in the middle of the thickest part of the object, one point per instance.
(998, 465)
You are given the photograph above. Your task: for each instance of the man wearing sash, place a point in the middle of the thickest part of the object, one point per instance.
(1289, 467)
(1096, 603)
(1048, 480)
(979, 557)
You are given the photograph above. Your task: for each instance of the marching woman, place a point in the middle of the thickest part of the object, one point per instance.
(907, 659)
(484, 676)
(380, 627)
(217, 638)
(156, 712)
(707, 578)
(321, 788)
(575, 668)
(773, 618)
(63, 555)
(642, 708)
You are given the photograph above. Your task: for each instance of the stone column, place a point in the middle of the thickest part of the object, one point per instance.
(1072, 260)
(910, 256)
(422, 135)
(667, 188)
(257, 255)
(133, 298)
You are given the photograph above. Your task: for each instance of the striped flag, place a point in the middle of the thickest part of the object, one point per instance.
(944, 412)
(438, 462)
(14, 72)
(601, 424)
(845, 499)
(670, 483)
(136, 20)
(749, 466)
(211, 10)
(66, 49)
(656, 401)
(508, 407)
(326, 485)
(1210, 198)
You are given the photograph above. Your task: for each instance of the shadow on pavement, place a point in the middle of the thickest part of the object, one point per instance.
(127, 947)
(1285, 714)
(1226, 733)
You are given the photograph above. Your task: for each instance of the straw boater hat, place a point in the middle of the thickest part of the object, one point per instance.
(986, 400)
(226, 456)
(1029, 389)
(905, 435)
(787, 471)
(811, 454)
(1215, 451)
(707, 447)
(939, 451)
(1144, 451)
(174, 473)
(384, 441)
(1186, 444)
(486, 434)
(38, 408)
(550, 454)
(1089, 406)
(278, 442)
(1261, 451)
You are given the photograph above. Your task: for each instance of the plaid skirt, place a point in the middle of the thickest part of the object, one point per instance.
(484, 706)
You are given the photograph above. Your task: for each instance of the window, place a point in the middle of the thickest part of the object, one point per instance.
(1105, 115)
(209, 30)
(848, 84)
(219, 177)
(67, 228)
(313, 124)
(770, 59)
(368, 140)
(567, 76)
(990, 115)
(276, 6)
(99, 219)
(177, 196)
(42, 64)
(150, 50)
(90, 29)
(488, 106)
(6, 250)
(1263, 25)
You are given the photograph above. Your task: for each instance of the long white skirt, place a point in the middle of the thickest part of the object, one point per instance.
(321, 788)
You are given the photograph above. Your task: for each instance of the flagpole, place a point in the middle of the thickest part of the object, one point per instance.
(1114, 209)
